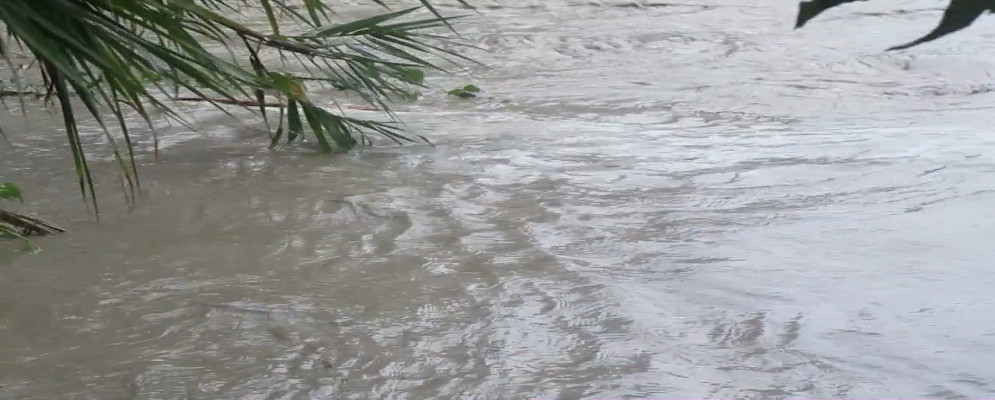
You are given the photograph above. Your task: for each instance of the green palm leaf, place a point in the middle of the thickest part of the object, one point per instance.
(133, 57)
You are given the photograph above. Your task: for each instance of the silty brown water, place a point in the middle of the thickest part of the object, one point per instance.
(678, 200)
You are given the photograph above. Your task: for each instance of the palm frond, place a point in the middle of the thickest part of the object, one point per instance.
(134, 57)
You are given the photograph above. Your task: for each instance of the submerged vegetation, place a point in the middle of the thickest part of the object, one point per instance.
(14, 225)
(106, 60)
(468, 91)
(9, 191)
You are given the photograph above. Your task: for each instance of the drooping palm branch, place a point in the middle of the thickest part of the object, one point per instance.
(114, 58)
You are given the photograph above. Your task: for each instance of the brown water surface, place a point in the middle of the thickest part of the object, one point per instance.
(676, 201)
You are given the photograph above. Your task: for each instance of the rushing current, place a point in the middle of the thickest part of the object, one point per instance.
(652, 200)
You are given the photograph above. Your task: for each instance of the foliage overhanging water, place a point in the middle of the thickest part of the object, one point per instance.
(676, 201)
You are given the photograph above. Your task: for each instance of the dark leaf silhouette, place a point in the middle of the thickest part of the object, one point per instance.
(959, 15)
(811, 9)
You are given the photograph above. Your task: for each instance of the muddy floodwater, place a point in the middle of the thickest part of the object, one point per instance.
(682, 200)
